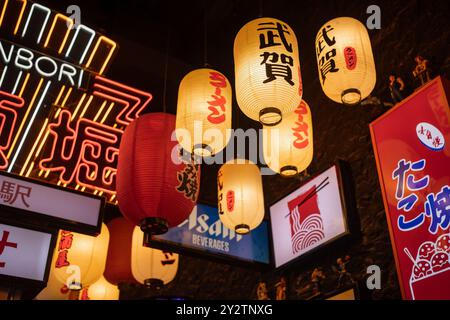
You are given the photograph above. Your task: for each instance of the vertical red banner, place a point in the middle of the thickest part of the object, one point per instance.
(412, 149)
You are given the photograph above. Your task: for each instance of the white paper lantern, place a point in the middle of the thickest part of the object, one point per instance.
(101, 290)
(345, 60)
(267, 70)
(240, 196)
(204, 112)
(288, 146)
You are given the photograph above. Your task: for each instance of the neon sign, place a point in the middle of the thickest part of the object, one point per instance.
(61, 120)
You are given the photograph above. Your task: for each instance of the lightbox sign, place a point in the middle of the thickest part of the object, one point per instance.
(203, 232)
(411, 144)
(308, 218)
(24, 254)
(65, 207)
(62, 118)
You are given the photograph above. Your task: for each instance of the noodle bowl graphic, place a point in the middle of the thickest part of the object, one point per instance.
(308, 233)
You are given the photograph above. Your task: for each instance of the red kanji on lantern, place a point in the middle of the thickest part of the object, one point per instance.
(151, 187)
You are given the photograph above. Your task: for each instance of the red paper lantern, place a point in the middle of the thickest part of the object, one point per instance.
(155, 188)
(118, 262)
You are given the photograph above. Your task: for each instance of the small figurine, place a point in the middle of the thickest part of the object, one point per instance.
(342, 270)
(316, 278)
(261, 291)
(281, 289)
(421, 71)
(396, 86)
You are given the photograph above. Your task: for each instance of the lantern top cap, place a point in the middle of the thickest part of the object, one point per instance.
(239, 161)
(343, 20)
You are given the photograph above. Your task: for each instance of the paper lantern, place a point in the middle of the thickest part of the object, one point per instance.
(240, 195)
(345, 60)
(101, 290)
(151, 267)
(204, 112)
(54, 290)
(79, 260)
(156, 189)
(267, 70)
(288, 146)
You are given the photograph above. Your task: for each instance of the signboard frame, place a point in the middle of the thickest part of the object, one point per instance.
(17, 282)
(215, 256)
(12, 214)
(345, 184)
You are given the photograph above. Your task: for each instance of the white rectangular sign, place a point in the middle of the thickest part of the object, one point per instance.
(308, 218)
(23, 253)
(57, 203)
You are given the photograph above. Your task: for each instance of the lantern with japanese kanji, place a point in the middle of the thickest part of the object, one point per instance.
(204, 112)
(129, 261)
(156, 189)
(100, 290)
(267, 70)
(54, 290)
(288, 146)
(240, 195)
(345, 60)
(79, 260)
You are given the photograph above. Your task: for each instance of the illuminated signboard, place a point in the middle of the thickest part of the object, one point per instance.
(62, 119)
(411, 144)
(23, 199)
(309, 217)
(203, 233)
(25, 255)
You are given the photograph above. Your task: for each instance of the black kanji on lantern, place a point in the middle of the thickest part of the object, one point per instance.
(275, 69)
(188, 181)
(272, 31)
(326, 62)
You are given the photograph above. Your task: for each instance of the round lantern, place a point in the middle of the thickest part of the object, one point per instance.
(156, 189)
(54, 290)
(288, 146)
(101, 290)
(129, 261)
(79, 260)
(204, 112)
(345, 61)
(151, 267)
(240, 195)
(267, 70)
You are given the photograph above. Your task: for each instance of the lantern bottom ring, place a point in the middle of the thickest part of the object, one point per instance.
(351, 97)
(203, 150)
(154, 226)
(242, 229)
(154, 283)
(270, 116)
(288, 171)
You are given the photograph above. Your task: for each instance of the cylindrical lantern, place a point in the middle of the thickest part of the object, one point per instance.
(156, 189)
(267, 70)
(129, 261)
(288, 146)
(204, 112)
(101, 290)
(79, 260)
(55, 290)
(151, 267)
(240, 195)
(345, 60)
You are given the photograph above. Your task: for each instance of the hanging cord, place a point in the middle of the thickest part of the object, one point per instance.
(166, 69)
(205, 35)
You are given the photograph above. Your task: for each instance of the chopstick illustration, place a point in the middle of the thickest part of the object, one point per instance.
(322, 185)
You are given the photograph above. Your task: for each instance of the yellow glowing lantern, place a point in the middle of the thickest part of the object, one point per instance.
(101, 290)
(345, 61)
(288, 146)
(79, 260)
(240, 195)
(267, 70)
(204, 112)
(151, 267)
(54, 290)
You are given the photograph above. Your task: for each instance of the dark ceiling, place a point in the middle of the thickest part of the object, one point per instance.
(142, 30)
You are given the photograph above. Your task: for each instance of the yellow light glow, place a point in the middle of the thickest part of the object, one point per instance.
(100, 111)
(67, 97)
(25, 118)
(30, 169)
(24, 85)
(3, 12)
(42, 143)
(105, 63)
(74, 114)
(107, 112)
(69, 27)
(34, 145)
(59, 94)
(19, 20)
(86, 106)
